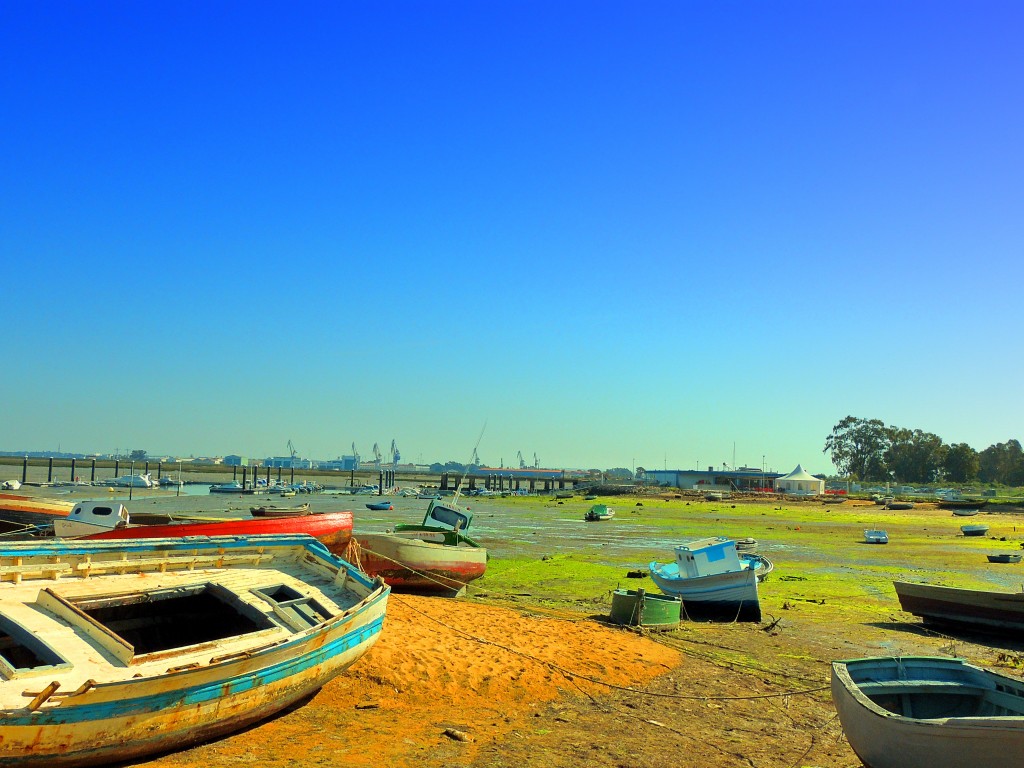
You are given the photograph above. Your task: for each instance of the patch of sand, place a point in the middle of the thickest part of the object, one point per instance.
(427, 674)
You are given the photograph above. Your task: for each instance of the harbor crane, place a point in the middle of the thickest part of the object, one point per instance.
(395, 455)
(376, 456)
(355, 454)
(522, 461)
(536, 463)
(475, 459)
(292, 452)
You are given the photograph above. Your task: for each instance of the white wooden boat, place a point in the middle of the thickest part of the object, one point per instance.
(712, 577)
(110, 651)
(923, 712)
(433, 556)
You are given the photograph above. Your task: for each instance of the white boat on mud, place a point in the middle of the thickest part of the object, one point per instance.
(713, 578)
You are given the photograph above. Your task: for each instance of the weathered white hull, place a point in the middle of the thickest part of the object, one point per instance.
(411, 560)
(181, 696)
(884, 739)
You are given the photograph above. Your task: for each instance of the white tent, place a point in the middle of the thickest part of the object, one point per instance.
(800, 481)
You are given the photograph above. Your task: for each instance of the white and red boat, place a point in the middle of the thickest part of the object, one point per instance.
(110, 520)
(435, 556)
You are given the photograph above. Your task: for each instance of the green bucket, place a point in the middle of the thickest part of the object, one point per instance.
(638, 608)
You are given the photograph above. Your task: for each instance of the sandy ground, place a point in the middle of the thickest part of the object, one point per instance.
(484, 673)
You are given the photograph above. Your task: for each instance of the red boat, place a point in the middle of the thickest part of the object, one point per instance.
(103, 520)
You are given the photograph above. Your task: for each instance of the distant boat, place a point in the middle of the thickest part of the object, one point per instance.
(925, 712)
(434, 556)
(965, 512)
(1008, 557)
(132, 481)
(232, 487)
(380, 505)
(272, 511)
(120, 650)
(974, 609)
(952, 503)
(713, 496)
(974, 530)
(599, 512)
(900, 505)
(711, 576)
(876, 536)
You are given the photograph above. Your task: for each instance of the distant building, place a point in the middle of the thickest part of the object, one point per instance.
(341, 464)
(236, 461)
(287, 462)
(743, 479)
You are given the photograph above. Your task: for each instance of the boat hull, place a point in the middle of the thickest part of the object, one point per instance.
(885, 738)
(729, 595)
(971, 608)
(128, 718)
(411, 561)
(332, 529)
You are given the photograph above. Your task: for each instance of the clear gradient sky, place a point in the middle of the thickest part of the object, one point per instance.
(618, 233)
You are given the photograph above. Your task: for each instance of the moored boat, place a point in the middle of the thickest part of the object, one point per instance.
(434, 556)
(272, 511)
(94, 520)
(599, 512)
(876, 536)
(1006, 557)
(712, 577)
(974, 530)
(131, 648)
(925, 712)
(380, 505)
(974, 609)
(953, 503)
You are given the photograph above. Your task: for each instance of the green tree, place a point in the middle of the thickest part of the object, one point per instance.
(961, 463)
(858, 447)
(914, 456)
(1002, 463)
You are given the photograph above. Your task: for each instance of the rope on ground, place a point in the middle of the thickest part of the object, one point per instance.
(571, 675)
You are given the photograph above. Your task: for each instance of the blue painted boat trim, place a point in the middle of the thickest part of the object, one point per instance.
(186, 697)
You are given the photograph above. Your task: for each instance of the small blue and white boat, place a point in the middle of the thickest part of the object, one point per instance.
(712, 577)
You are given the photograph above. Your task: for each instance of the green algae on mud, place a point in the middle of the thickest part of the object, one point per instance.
(824, 571)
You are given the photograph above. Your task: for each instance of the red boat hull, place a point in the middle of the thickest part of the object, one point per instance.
(332, 529)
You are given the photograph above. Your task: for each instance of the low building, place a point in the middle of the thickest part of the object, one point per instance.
(743, 479)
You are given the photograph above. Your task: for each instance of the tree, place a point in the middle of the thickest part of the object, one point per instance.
(858, 448)
(914, 456)
(1002, 463)
(961, 463)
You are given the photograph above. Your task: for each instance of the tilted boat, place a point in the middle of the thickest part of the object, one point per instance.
(876, 536)
(974, 530)
(380, 505)
(712, 577)
(599, 512)
(114, 650)
(975, 609)
(924, 712)
(434, 556)
(110, 520)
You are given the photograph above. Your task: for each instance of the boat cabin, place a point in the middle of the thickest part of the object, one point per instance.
(91, 517)
(708, 557)
(456, 517)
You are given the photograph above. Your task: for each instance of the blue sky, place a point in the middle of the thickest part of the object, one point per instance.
(616, 233)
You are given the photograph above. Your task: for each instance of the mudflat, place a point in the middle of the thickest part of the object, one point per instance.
(525, 671)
